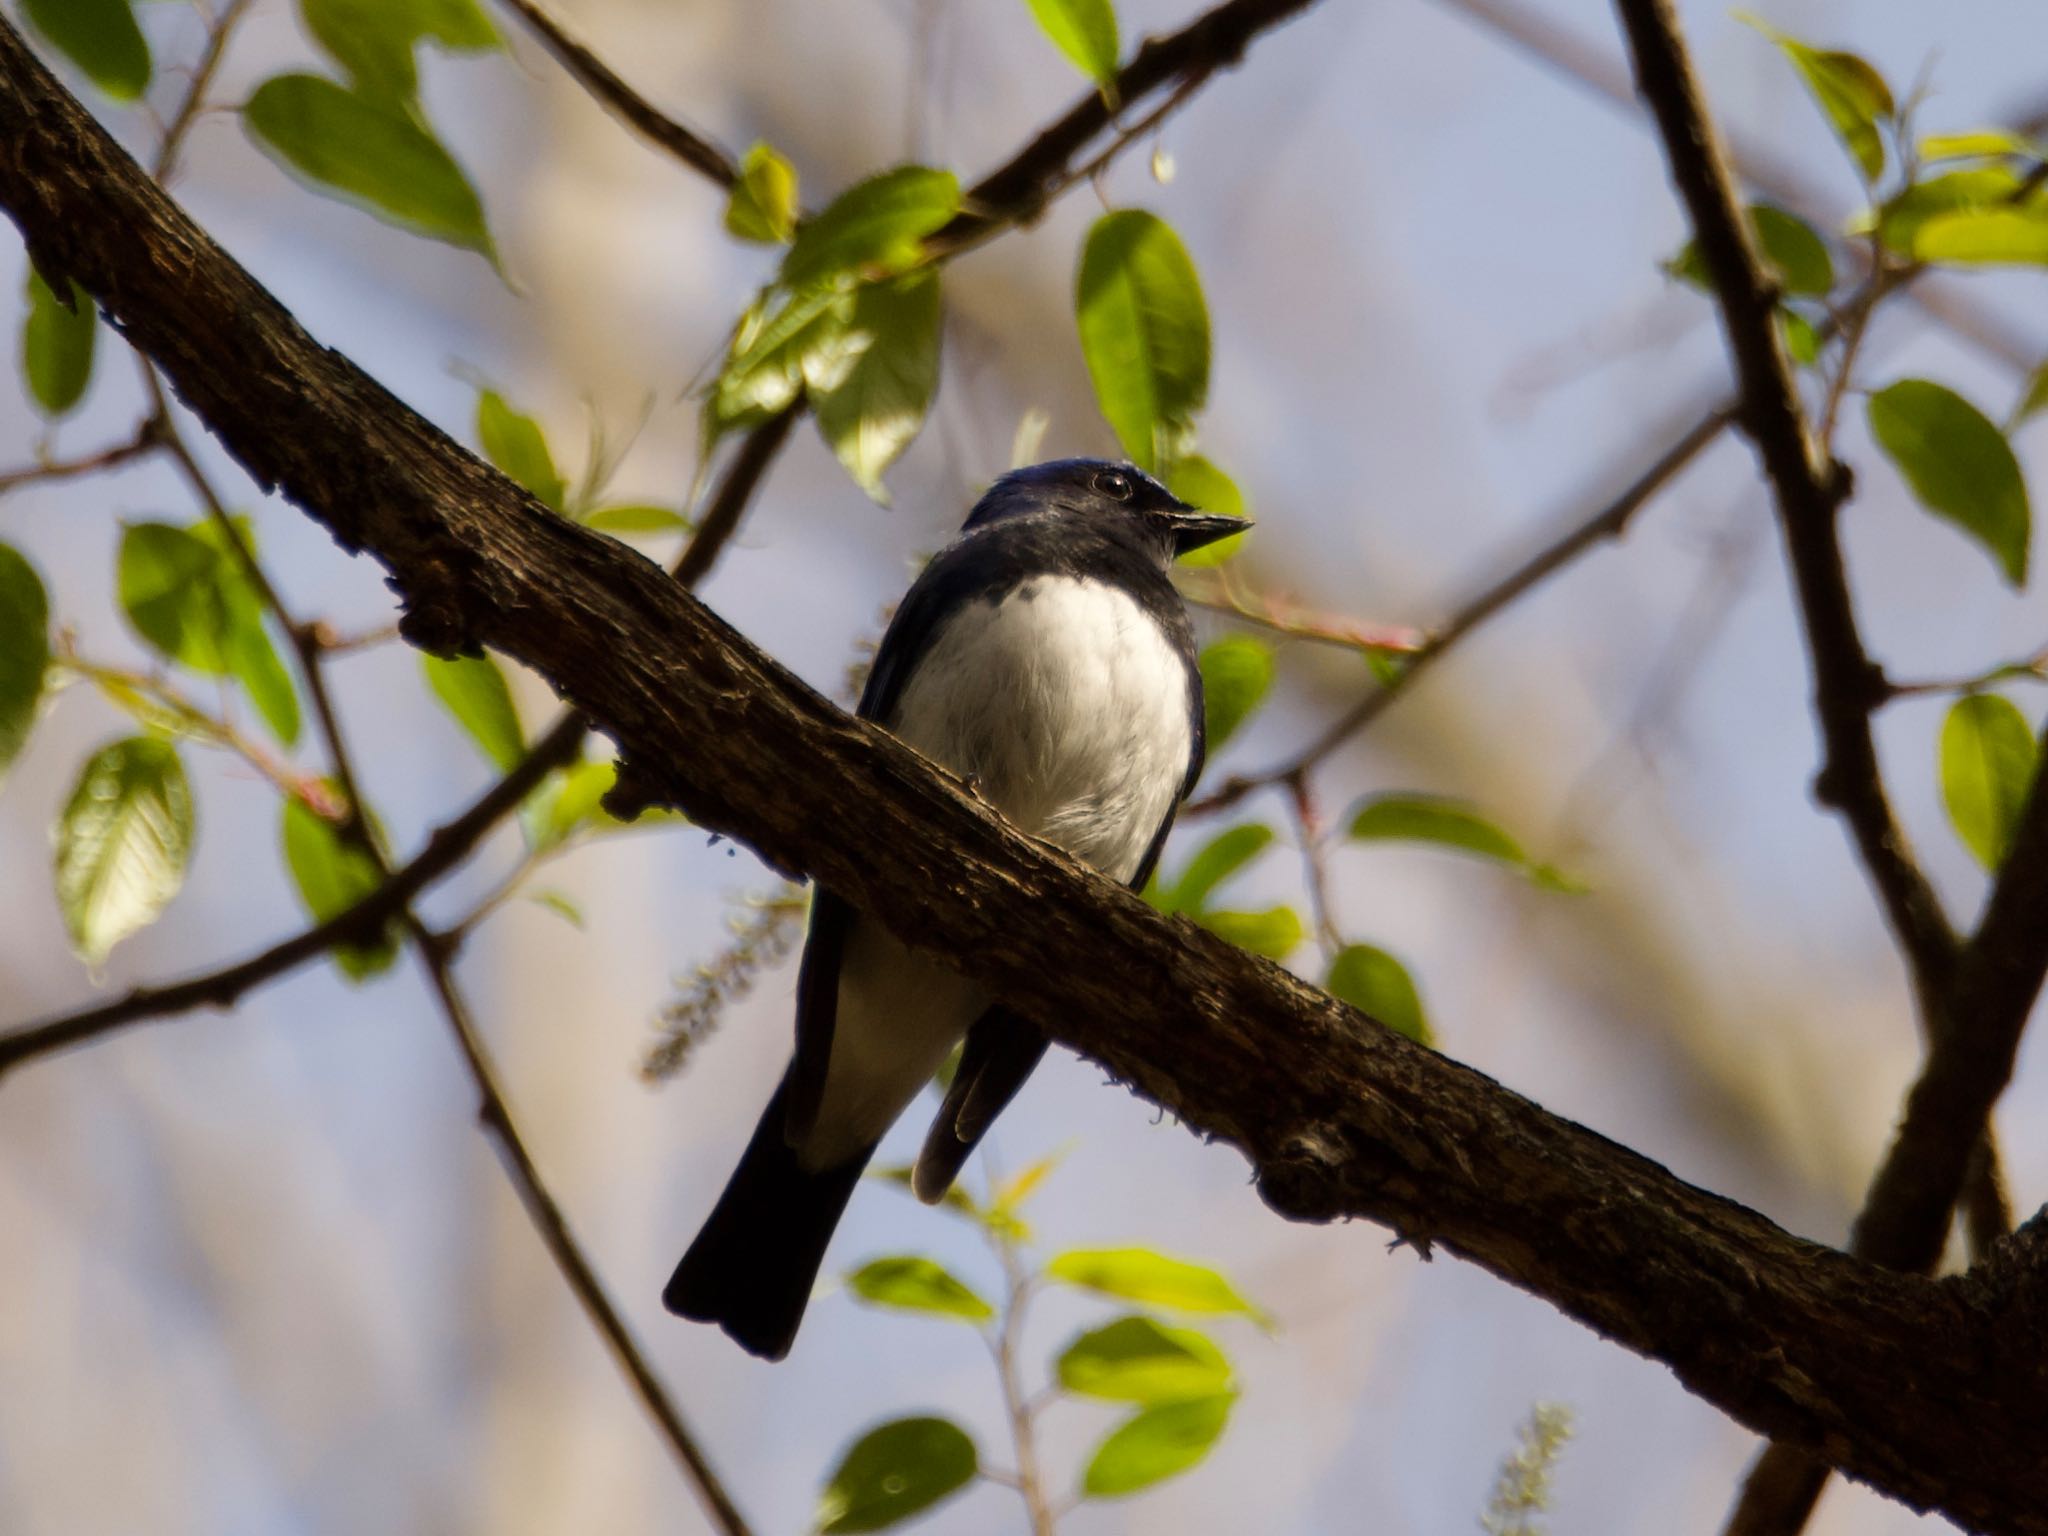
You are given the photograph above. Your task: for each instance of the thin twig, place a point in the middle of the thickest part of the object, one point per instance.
(165, 166)
(144, 441)
(1279, 616)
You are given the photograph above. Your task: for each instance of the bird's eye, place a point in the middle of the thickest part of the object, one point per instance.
(1114, 484)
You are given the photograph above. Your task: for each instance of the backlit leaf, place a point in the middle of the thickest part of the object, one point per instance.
(1959, 465)
(369, 152)
(474, 690)
(515, 443)
(894, 1471)
(1150, 1279)
(1237, 673)
(1144, 332)
(1986, 237)
(889, 368)
(1903, 216)
(57, 346)
(766, 367)
(100, 37)
(1850, 91)
(1375, 983)
(331, 876)
(1275, 932)
(1085, 31)
(1198, 482)
(1156, 1443)
(123, 841)
(874, 228)
(763, 205)
(1989, 758)
(636, 520)
(913, 1284)
(1135, 1360)
(1982, 143)
(24, 652)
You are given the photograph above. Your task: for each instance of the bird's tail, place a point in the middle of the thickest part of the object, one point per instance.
(752, 1266)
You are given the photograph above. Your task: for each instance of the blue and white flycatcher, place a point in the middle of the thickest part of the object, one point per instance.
(1045, 658)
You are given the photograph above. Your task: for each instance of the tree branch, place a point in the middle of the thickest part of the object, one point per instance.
(1929, 1389)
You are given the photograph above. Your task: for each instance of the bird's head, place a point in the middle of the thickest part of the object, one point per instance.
(1095, 489)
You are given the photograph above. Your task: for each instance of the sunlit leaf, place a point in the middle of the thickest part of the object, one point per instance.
(1144, 332)
(1198, 482)
(1237, 673)
(1150, 1279)
(874, 228)
(369, 152)
(1986, 237)
(1905, 214)
(872, 405)
(763, 206)
(1155, 1444)
(1982, 143)
(637, 520)
(955, 1199)
(1988, 761)
(1791, 248)
(24, 652)
(1210, 865)
(1850, 91)
(57, 346)
(1275, 932)
(375, 40)
(1022, 1185)
(1085, 31)
(474, 690)
(122, 843)
(1135, 1360)
(913, 1284)
(766, 368)
(100, 37)
(1375, 983)
(895, 1471)
(568, 801)
(515, 443)
(332, 875)
(1959, 465)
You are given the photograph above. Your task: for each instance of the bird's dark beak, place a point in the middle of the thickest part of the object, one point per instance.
(1192, 530)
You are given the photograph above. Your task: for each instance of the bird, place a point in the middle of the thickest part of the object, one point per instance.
(1045, 658)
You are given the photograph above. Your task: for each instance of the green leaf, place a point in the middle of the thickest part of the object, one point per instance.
(956, 1198)
(475, 692)
(24, 652)
(1150, 1279)
(100, 37)
(1791, 248)
(1988, 762)
(875, 228)
(636, 520)
(912, 1284)
(331, 876)
(568, 801)
(1024, 1183)
(1802, 341)
(255, 664)
(560, 903)
(1375, 983)
(1453, 824)
(1198, 482)
(122, 843)
(2034, 399)
(1982, 143)
(1213, 863)
(1959, 465)
(375, 40)
(368, 152)
(895, 1471)
(770, 354)
(1135, 1360)
(1085, 31)
(1155, 1444)
(1237, 672)
(1275, 933)
(516, 444)
(1902, 217)
(763, 206)
(1986, 237)
(1852, 94)
(873, 403)
(1144, 332)
(57, 346)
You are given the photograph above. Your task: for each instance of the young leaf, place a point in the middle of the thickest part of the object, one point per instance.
(1213, 863)
(1375, 983)
(913, 1284)
(873, 407)
(1986, 237)
(1198, 482)
(368, 152)
(769, 358)
(1155, 1444)
(516, 444)
(1802, 341)
(375, 40)
(1024, 1183)
(1980, 144)
(560, 903)
(57, 346)
(1275, 932)
(475, 692)
(332, 876)
(956, 1199)
(567, 801)
(895, 1471)
(1988, 762)
(763, 206)
(122, 843)
(1791, 247)
(636, 520)
(1150, 1279)
(1144, 332)
(24, 652)
(1085, 31)
(1237, 672)
(100, 37)
(1959, 465)
(1904, 215)
(1135, 1360)
(874, 228)
(1852, 94)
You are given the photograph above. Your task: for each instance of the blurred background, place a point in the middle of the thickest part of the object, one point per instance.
(261, 1272)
